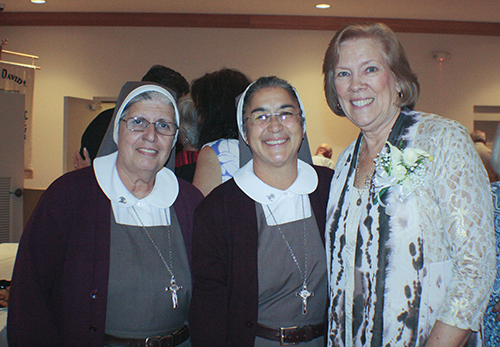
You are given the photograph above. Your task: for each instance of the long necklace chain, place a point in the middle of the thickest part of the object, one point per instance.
(173, 285)
(303, 293)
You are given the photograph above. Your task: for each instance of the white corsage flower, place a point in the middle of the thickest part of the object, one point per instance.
(403, 171)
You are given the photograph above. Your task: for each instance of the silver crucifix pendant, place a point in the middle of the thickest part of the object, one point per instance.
(174, 288)
(304, 294)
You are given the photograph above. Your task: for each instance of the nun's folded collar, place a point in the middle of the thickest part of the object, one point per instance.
(305, 183)
(162, 196)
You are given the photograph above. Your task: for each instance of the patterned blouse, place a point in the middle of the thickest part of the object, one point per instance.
(431, 258)
(228, 152)
(491, 327)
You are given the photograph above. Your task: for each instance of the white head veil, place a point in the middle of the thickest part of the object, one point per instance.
(129, 91)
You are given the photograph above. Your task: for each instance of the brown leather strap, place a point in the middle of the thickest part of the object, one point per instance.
(291, 335)
(172, 340)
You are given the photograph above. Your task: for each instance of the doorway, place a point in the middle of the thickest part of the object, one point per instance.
(78, 113)
(12, 113)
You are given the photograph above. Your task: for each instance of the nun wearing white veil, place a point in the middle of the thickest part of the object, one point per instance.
(259, 266)
(104, 259)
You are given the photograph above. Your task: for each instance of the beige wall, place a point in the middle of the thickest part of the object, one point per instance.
(86, 62)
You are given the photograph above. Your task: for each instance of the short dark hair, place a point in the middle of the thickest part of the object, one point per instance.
(215, 97)
(393, 52)
(169, 78)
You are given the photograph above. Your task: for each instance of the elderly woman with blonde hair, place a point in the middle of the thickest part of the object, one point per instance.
(409, 241)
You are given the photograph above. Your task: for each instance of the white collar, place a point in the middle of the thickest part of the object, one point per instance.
(162, 196)
(305, 183)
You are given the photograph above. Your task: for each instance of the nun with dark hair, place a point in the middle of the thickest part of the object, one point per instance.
(104, 259)
(259, 264)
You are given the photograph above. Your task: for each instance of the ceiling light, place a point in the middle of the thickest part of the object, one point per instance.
(38, 1)
(441, 56)
(322, 6)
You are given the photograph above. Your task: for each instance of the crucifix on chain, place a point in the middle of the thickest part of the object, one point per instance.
(304, 294)
(174, 288)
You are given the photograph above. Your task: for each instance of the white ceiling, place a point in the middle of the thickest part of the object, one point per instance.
(459, 10)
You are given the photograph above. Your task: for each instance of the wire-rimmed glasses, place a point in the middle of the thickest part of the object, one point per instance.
(260, 118)
(140, 124)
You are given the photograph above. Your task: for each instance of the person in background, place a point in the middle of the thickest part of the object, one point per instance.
(185, 160)
(104, 258)
(410, 239)
(323, 156)
(492, 314)
(4, 293)
(214, 95)
(479, 139)
(95, 131)
(4, 304)
(259, 265)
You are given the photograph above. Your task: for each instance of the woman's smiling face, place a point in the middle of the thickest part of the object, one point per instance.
(277, 143)
(365, 85)
(145, 151)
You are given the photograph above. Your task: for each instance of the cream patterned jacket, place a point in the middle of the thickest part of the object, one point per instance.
(451, 210)
(456, 212)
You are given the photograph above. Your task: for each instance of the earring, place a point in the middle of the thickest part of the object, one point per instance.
(339, 107)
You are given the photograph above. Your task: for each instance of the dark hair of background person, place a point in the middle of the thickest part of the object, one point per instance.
(95, 131)
(393, 52)
(169, 78)
(215, 97)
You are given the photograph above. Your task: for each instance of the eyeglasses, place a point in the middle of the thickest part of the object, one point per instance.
(283, 117)
(140, 124)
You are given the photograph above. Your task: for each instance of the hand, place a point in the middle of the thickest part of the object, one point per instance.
(443, 334)
(78, 162)
(4, 297)
(496, 308)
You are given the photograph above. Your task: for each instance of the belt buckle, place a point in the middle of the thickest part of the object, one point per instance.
(283, 330)
(153, 341)
(160, 341)
(167, 341)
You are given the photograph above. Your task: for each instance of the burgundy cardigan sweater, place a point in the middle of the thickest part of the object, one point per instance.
(224, 305)
(60, 282)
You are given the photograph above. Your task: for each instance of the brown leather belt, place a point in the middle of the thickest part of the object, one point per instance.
(172, 340)
(291, 335)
